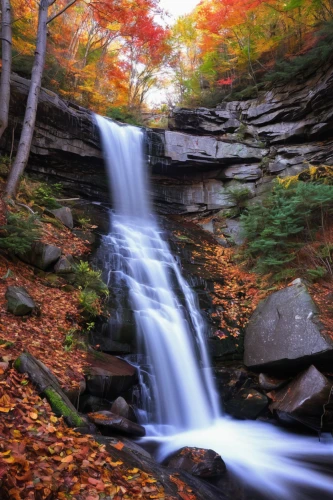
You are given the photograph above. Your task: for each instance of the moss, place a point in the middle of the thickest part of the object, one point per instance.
(17, 364)
(60, 408)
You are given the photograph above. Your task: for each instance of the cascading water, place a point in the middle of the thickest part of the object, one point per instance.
(172, 332)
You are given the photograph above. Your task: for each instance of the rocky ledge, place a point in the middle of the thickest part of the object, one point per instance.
(205, 154)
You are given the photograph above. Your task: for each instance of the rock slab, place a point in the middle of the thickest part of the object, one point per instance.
(116, 423)
(284, 331)
(108, 376)
(19, 301)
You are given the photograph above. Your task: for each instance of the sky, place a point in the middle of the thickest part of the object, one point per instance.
(178, 7)
(175, 8)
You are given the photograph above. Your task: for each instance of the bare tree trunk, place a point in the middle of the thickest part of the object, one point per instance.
(31, 110)
(6, 40)
(30, 113)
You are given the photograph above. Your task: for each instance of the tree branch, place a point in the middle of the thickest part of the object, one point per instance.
(61, 11)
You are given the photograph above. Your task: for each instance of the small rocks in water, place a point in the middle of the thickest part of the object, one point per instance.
(304, 398)
(123, 409)
(269, 383)
(116, 423)
(64, 214)
(198, 462)
(41, 255)
(248, 404)
(19, 301)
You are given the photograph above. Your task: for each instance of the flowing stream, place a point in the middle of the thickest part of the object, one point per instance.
(181, 401)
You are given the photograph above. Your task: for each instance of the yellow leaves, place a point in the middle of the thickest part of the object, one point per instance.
(67, 459)
(53, 419)
(33, 415)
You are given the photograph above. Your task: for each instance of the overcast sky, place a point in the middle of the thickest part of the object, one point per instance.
(178, 7)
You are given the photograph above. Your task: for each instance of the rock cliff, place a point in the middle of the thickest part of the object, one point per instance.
(205, 152)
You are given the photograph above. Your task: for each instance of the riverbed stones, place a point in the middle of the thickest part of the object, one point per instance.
(116, 423)
(304, 398)
(198, 462)
(107, 376)
(42, 255)
(284, 332)
(19, 301)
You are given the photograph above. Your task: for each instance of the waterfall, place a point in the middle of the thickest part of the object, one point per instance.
(171, 330)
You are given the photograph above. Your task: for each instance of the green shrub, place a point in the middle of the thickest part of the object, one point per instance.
(45, 195)
(19, 233)
(89, 302)
(289, 217)
(125, 115)
(240, 194)
(88, 279)
(316, 273)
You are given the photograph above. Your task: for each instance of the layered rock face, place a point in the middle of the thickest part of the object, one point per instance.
(206, 152)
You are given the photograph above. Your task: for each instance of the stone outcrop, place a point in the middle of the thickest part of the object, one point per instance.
(284, 331)
(242, 142)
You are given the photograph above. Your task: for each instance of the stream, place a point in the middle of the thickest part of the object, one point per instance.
(181, 405)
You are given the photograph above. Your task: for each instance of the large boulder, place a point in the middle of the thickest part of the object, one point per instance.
(284, 332)
(107, 376)
(64, 214)
(115, 423)
(198, 462)
(42, 255)
(303, 399)
(19, 301)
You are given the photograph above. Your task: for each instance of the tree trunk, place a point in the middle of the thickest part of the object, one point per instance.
(6, 37)
(32, 103)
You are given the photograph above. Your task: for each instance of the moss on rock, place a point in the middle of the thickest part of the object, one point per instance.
(60, 408)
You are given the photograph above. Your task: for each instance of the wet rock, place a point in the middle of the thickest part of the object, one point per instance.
(198, 462)
(269, 383)
(107, 376)
(123, 409)
(42, 255)
(247, 404)
(284, 331)
(19, 301)
(304, 398)
(64, 214)
(64, 265)
(115, 423)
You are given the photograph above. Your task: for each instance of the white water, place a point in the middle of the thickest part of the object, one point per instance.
(172, 332)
